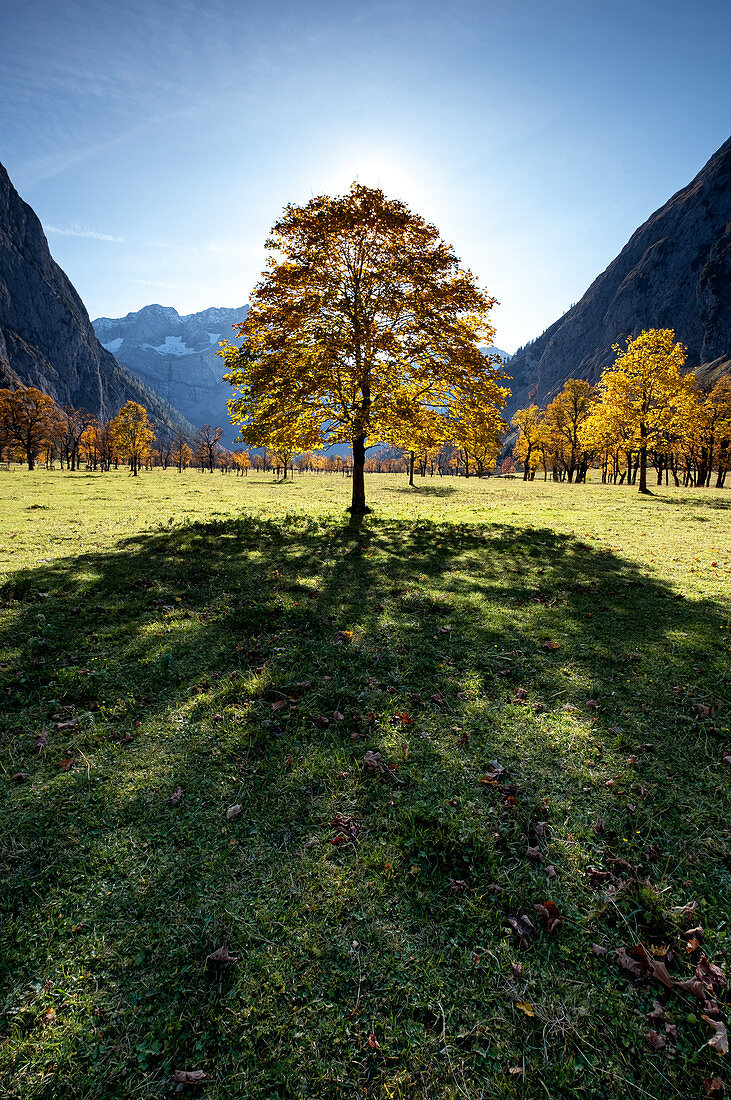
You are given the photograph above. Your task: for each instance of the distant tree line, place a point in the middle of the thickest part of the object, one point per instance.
(644, 413)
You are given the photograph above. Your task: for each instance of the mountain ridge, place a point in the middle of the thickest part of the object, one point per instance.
(176, 356)
(46, 337)
(674, 272)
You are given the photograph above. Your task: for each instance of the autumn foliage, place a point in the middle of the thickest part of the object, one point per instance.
(364, 329)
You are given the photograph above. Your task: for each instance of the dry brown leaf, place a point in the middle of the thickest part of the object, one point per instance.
(233, 812)
(719, 1039)
(372, 1043)
(222, 956)
(66, 764)
(713, 1085)
(534, 854)
(655, 1041)
(657, 1016)
(522, 926)
(703, 711)
(19, 777)
(372, 763)
(551, 645)
(550, 871)
(517, 969)
(659, 972)
(632, 966)
(189, 1076)
(709, 973)
(671, 1030)
(599, 951)
(176, 797)
(549, 910)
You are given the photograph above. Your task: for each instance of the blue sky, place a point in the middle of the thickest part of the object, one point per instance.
(159, 140)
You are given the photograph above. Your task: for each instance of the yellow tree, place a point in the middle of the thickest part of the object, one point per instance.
(132, 434)
(565, 416)
(28, 420)
(528, 422)
(644, 389)
(362, 314)
(478, 429)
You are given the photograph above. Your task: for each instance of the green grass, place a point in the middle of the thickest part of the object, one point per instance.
(196, 631)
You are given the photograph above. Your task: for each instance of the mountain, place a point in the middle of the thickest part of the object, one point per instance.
(176, 357)
(46, 337)
(674, 272)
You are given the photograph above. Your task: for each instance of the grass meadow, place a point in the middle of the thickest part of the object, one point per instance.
(356, 758)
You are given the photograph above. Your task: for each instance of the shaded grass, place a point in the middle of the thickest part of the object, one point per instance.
(188, 639)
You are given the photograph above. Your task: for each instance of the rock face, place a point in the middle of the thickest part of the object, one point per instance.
(674, 272)
(176, 357)
(46, 337)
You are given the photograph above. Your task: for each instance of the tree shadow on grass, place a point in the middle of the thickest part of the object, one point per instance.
(252, 663)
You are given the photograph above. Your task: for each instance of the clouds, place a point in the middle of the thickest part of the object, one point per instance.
(82, 231)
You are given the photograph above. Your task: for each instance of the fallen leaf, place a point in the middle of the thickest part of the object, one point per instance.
(66, 764)
(549, 910)
(40, 741)
(703, 711)
(591, 704)
(657, 1015)
(632, 966)
(599, 951)
(526, 1008)
(600, 826)
(346, 829)
(222, 956)
(188, 1076)
(523, 927)
(713, 1084)
(19, 777)
(176, 797)
(550, 871)
(321, 721)
(233, 812)
(551, 645)
(671, 1030)
(719, 1039)
(727, 759)
(655, 1041)
(517, 969)
(372, 1043)
(708, 973)
(686, 912)
(372, 763)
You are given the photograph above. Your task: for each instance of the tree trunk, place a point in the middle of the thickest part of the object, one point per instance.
(411, 468)
(358, 505)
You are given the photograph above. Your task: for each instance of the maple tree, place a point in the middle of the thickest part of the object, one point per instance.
(528, 422)
(644, 389)
(132, 433)
(28, 418)
(362, 323)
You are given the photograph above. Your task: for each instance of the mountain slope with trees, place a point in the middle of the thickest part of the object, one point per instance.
(46, 338)
(674, 272)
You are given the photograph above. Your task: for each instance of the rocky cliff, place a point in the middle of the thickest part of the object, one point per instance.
(46, 337)
(176, 356)
(674, 272)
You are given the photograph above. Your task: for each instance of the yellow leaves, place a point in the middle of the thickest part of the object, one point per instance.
(526, 1008)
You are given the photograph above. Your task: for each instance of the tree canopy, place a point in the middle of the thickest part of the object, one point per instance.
(362, 327)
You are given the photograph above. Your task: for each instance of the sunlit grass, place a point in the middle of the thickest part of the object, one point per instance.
(238, 639)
